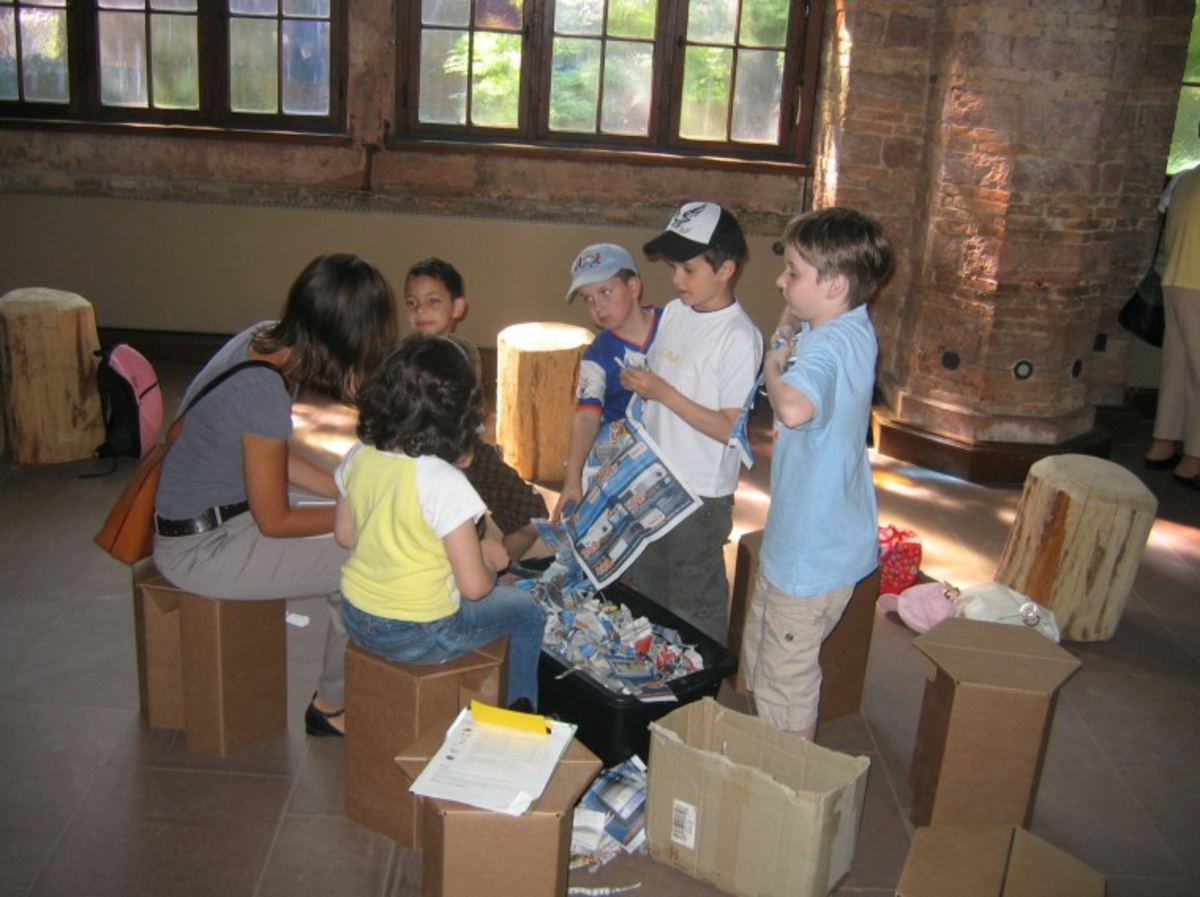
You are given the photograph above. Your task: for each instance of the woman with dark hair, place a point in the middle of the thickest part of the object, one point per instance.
(226, 523)
(419, 585)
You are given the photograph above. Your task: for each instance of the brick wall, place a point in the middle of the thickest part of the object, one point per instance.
(1013, 151)
(997, 143)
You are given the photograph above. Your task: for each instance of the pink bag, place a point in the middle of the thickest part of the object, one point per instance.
(899, 559)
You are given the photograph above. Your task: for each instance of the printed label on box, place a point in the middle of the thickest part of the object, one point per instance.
(683, 824)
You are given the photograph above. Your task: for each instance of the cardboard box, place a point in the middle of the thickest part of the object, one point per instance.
(391, 704)
(617, 726)
(215, 668)
(985, 721)
(750, 809)
(843, 655)
(159, 654)
(992, 861)
(469, 852)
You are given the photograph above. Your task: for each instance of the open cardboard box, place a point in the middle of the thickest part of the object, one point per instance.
(985, 720)
(992, 861)
(752, 810)
(470, 852)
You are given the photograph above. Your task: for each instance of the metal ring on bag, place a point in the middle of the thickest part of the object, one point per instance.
(1031, 614)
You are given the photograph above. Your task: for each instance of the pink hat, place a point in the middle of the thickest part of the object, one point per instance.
(924, 605)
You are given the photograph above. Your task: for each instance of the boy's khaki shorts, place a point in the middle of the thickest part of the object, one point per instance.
(781, 646)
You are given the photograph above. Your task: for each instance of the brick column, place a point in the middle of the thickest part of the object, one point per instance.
(996, 143)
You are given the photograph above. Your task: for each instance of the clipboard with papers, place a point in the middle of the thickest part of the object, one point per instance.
(495, 759)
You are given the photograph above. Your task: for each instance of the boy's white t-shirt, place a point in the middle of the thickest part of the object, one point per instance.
(712, 357)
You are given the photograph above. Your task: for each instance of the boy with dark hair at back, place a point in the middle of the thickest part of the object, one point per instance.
(435, 301)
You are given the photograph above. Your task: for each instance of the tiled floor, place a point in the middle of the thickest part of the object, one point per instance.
(92, 802)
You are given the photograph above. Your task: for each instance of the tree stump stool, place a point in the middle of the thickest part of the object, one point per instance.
(48, 388)
(536, 369)
(1081, 529)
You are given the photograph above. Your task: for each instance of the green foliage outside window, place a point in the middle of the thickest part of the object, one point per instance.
(1185, 148)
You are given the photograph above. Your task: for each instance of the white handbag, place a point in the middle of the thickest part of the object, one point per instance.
(996, 603)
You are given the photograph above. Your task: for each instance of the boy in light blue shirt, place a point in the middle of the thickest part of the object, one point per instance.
(821, 535)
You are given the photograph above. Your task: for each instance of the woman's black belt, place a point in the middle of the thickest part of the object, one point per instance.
(201, 523)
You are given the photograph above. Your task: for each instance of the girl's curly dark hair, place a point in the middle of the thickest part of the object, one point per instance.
(423, 400)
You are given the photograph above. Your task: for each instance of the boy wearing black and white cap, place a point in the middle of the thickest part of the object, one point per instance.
(702, 365)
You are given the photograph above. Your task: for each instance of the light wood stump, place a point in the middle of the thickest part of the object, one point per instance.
(537, 366)
(1080, 532)
(48, 387)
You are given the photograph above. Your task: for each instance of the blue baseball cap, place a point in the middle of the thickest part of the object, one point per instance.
(598, 262)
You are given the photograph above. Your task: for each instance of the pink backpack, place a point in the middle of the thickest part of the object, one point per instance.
(132, 401)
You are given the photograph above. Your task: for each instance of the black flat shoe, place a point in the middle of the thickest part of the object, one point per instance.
(317, 722)
(1192, 482)
(1163, 463)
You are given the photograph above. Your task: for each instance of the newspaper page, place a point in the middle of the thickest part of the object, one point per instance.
(632, 500)
(632, 496)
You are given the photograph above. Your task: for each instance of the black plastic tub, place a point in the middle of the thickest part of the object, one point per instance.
(613, 726)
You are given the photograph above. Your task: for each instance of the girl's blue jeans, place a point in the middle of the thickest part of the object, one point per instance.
(505, 611)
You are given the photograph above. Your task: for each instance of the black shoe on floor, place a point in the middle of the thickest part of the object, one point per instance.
(317, 722)
(1162, 463)
(521, 705)
(1192, 482)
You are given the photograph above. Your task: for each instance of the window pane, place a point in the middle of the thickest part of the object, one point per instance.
(175, 59)
(253, 65)
(1185, 147)
(44, 55)
(1191, 71)
(627, 88)
(578, 17)
(756, 97)
(306, 9)
(632, 18)
(306, 67)
(173, 5)
(706, 76)
(764, 23)
(712, 20)
(123, 59)
(575, 84)
(443, 99)
(495, 80)
(122, 4)
(254, 7)
(8, 54)
(501, 15)
(446, 12)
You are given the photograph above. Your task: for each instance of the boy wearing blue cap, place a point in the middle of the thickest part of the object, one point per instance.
(702, 366)
(605, 278)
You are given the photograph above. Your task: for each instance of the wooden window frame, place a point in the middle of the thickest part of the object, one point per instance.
(798, 99)
(85, 107)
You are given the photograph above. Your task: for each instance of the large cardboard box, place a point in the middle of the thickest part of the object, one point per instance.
(469, 852)
(992, 861)
(391, 704)
(843, 655)
(216, 669)
(985, 720)
(752, 810)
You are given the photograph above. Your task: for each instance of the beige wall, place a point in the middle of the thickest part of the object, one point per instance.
(214, 268)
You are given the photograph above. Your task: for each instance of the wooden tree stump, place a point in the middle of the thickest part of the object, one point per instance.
(48, 382)
(536, 369)
(1081, 529)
